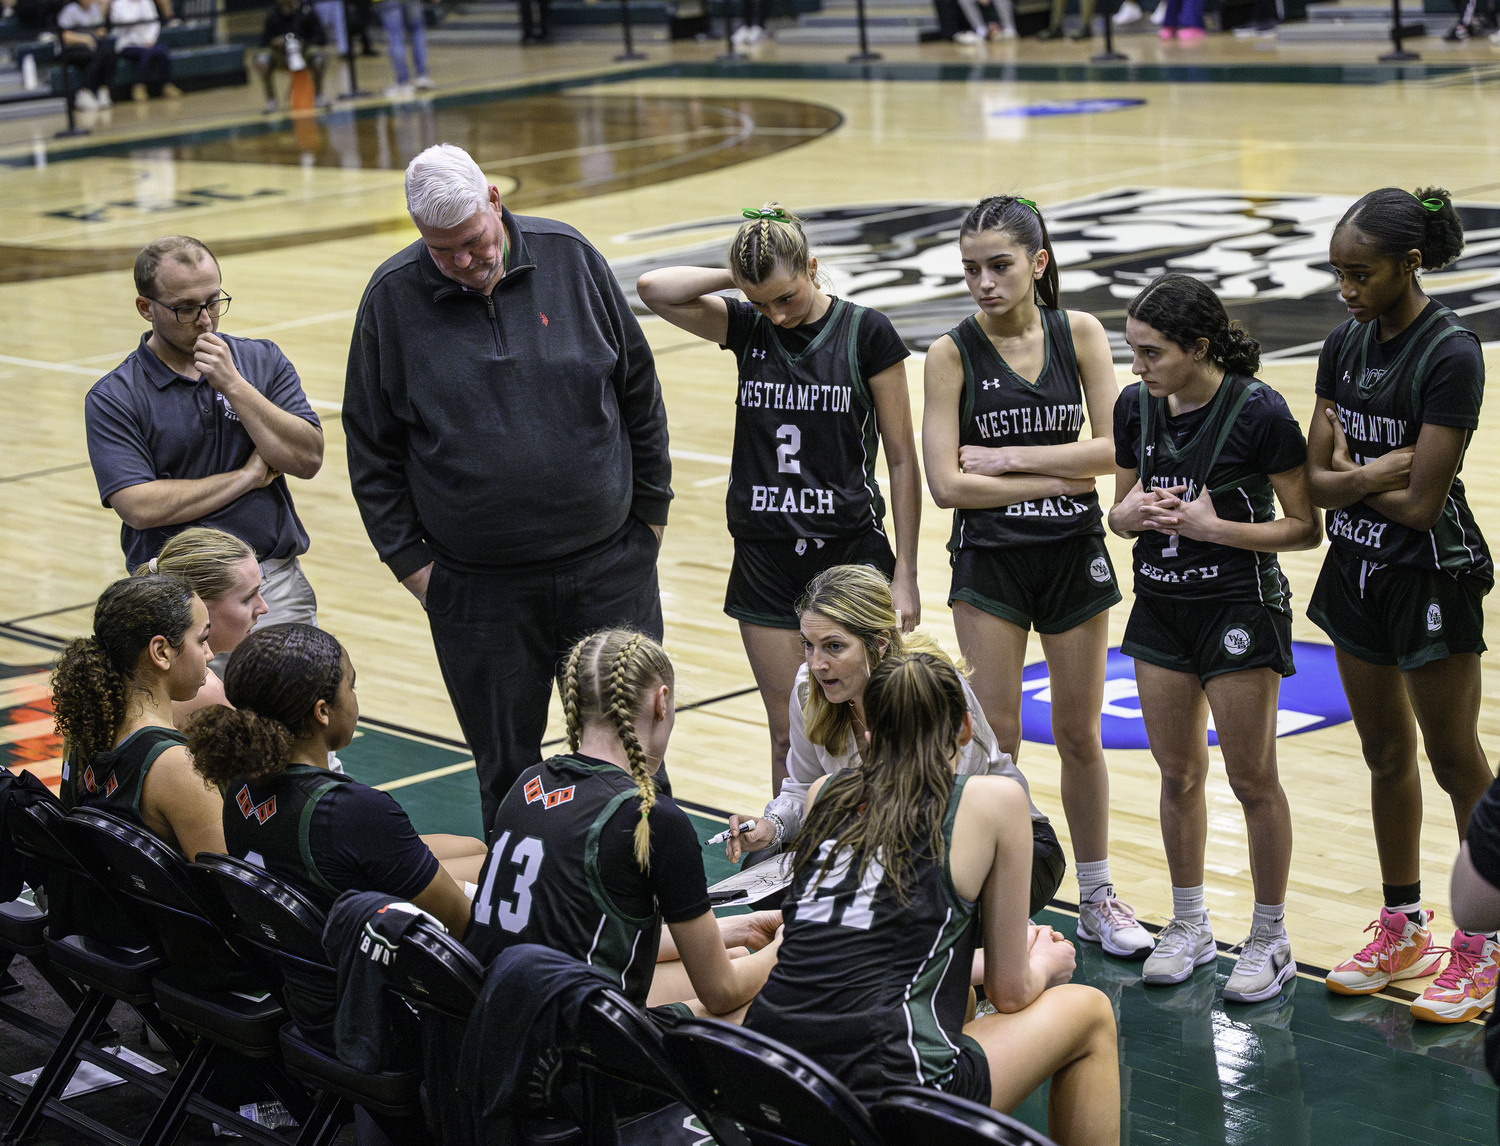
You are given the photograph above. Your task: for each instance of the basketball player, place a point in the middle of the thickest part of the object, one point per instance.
(112, 694)
(902, 868)
(818, 378)
(1200, 447)
(589, 858)
(849, 625)
(1006, 392)
(1400, 593)
(224, 573)
(292, 687)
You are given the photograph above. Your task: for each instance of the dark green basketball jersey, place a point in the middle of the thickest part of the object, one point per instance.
(1000, 408)
(542, 882)
(266, 823)
(115, 778)
(805, 436)
(873, 989)
(1245, 433)
(1382, 397)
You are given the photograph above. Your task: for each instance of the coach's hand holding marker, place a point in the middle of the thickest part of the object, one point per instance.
(751, 835)
(723, 837)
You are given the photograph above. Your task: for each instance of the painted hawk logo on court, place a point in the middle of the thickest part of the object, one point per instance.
(1265, 254)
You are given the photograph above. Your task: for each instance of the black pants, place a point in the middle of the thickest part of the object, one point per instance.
(501, 636)
(536, 23)
(97, 63)
(1047, 865)
(153, 67)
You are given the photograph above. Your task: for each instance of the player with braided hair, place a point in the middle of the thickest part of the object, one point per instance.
(588, 858)
(819, 379)
(1401, 590)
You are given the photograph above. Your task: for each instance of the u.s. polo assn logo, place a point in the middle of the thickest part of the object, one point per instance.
(1265, 254)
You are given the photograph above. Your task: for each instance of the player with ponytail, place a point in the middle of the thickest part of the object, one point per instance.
(1203, 451)
(588, 858)
(292, 688)
(112, 694)
(1401, 591)
(818, 378)
(1006, 393)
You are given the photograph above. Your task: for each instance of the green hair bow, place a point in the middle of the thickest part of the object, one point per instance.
(1030, 203)
(1433, 205)
(775, 214)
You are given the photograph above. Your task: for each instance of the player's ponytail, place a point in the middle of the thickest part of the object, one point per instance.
(898, 798)
(275, 679)
(1396, 221)
(93, 677)
(1022, 220)
(771, 237)
(606, 678)
(1186, 309)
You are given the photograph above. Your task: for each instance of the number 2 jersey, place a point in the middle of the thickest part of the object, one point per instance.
(805, 430)
(562, 872)
(1230, 446)
(1000, 408)
(1433, 371)
(873, 989)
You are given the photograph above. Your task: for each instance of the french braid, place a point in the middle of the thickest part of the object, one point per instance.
(774, 238)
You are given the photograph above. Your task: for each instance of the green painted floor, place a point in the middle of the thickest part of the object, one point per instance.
(1311, 1068)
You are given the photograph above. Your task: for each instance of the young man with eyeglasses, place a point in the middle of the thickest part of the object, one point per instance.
(201, 428)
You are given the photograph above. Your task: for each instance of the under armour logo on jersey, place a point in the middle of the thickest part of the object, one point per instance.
(1149, 448)
(758, 354)
(250, 809)
(990, 383)
(535, 792)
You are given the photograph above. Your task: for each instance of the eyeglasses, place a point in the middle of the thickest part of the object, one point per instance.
(188, 314)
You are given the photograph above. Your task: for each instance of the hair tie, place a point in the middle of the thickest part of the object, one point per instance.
(1433, 205)
(151, 565)
(775, 214)
(1030, 203)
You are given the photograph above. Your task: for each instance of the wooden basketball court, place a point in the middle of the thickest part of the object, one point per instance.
(1230, 161)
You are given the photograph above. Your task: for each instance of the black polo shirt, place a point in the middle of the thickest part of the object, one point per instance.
(145, 422)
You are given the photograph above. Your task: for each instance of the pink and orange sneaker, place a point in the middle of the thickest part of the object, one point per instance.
(1467, 985)
(1401, 949)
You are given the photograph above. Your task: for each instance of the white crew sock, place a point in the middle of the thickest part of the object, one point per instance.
(1092, 877)
(1187, 903)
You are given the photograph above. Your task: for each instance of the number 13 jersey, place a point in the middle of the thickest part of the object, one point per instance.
(561, 871)
(805, 432)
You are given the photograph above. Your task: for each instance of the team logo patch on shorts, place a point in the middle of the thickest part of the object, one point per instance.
(1434, 617)
(550, 800)
(1236, 641)
(1099, 570)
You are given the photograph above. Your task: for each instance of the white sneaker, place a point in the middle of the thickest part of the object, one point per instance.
(1127, 13)
(1110, 922)
(966, 37)
(741, 37)
(104, 100)
(1264, 967)
(399, 91)
(424, 84)
(83, 100)
(1180, 949)
(1159, 13)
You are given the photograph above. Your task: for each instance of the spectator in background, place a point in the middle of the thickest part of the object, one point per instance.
(292, 39)
(137, 29)
(536, 21)
(1183, 19)
(86, 44)
(396, 15)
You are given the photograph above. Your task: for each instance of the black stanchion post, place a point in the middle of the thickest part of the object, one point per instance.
(1400, 53)
(864, 55)
(1109, 55)
(629, 53)
(729, 54)
(353, 92)
(67, 78)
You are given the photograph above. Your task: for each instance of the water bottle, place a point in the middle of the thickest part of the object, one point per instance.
(28, 72)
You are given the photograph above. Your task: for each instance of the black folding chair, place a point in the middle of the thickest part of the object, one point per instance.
(207, 988)
(920, 1116)
(107, 972)
(780, 1097)
(278, 921)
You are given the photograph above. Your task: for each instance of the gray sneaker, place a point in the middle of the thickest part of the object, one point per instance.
(1264, 967)
(1181, 947)
(1111, 923)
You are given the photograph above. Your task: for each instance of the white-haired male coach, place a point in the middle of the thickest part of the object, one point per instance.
(508, 450)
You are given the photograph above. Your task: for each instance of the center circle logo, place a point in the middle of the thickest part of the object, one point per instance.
(1099, 570)
(1310, 700)
(1236, 642)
